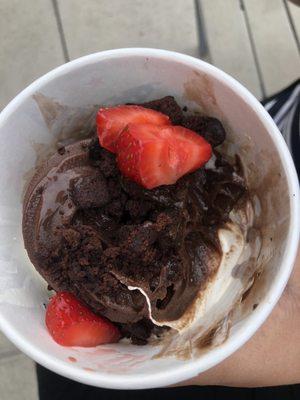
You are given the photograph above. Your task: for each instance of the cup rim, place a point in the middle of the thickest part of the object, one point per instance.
(193, 367)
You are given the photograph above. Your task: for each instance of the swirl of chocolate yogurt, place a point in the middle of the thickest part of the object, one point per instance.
(90, 231)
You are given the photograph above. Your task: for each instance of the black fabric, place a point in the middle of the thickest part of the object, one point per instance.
(283, 94)
(55, 387)
(284, 108)
(295, 140)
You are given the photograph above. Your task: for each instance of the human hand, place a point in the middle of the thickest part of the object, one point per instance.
(272, 356)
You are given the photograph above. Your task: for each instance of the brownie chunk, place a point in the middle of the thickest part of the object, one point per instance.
(167, 105)
(210, 128)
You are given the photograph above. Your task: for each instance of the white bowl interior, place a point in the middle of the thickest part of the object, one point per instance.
(134, 76)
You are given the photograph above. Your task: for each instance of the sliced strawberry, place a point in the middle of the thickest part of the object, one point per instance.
(190, 150)
(141, 155)
(111, 121)
(159, 155)
(70, 323)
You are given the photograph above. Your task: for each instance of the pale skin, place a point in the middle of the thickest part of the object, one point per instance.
(272, 356)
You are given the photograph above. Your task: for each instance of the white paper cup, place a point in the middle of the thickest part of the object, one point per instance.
(137, 75)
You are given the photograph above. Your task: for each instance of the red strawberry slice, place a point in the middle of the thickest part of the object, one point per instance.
(70, 323)
(159, 155)
(111, 121)
(190, 150)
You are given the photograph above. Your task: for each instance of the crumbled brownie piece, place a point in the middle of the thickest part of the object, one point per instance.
(210, 128)
(72, 237)
(167, 105)
(139, 332)
(101, 157)
(90, 191)
(138, 209)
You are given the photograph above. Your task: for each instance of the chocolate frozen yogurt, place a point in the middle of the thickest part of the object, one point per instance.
(138, 240)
